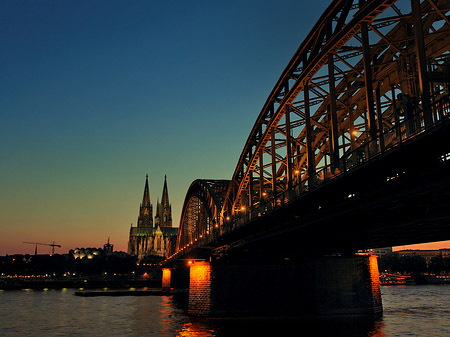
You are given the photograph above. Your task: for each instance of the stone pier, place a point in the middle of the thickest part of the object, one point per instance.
(310, 286)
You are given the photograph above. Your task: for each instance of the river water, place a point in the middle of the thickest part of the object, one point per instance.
(408, 311)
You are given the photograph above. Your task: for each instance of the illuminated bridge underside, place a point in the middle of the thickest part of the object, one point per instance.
(367, 87)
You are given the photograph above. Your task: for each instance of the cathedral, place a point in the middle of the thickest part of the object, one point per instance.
(153, 239)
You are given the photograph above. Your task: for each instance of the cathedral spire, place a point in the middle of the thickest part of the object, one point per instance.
(145, 218)
(146, 198)
(164, 213)
(165, 194)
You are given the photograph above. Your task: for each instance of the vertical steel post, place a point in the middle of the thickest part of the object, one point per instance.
(274, 164)
(368, 81)
(424, 84)
(379, 117)
(288, 149)
(250, 194)
(396, 118)
(334, 136)
(309, 145)
(261, 176)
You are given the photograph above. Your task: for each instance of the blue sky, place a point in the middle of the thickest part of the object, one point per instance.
(96, 94)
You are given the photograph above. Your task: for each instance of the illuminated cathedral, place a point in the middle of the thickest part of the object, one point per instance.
(153, 239)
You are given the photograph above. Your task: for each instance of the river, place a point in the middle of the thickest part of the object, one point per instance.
(408, 311)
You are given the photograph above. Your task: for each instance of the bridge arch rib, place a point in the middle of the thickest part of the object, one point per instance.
(201, 210)
(359, 84)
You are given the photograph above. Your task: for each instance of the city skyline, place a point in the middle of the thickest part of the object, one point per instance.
(97, 95)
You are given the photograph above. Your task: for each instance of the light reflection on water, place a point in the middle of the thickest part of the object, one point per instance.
(408, 311)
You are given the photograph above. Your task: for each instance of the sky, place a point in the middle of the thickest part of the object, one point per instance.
(94, 95)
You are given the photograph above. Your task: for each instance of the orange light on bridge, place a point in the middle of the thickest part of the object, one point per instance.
(297, 171)
(264, 194)
(228, 218)
(243, 208)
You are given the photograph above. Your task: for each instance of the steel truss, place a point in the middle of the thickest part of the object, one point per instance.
(356, 80)
(366, 78)
(201, 211)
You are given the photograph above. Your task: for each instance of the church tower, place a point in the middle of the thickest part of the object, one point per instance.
(148, 242)
(163, 216)
(145, 218)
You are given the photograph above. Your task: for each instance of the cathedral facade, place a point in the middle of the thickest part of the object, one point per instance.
(153, 238)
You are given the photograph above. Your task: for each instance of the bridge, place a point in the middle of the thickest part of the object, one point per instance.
(350, 151)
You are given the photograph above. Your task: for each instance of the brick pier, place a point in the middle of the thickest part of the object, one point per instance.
(310, 286)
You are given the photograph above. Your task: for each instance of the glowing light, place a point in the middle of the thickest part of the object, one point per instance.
(228, 218)
(189, 262)
(297, 172)
(166, 277)
(199, 286)
(264, 194)
(243, 208)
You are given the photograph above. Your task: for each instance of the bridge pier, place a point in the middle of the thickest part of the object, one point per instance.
(310, 286)
(176, 277)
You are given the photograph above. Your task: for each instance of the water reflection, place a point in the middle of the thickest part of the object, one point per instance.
(408, 311)
(325, 326)
(196, 329)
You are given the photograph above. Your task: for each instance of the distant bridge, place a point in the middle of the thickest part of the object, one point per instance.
(350, 150)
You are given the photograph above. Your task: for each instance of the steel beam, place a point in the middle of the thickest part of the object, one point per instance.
(274, 163)
(368, 80)
(424, 83)
(287, 118)
(334, 132)
(309, 143)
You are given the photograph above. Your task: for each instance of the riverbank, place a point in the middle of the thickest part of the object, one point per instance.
(397, 279)
(18, 283)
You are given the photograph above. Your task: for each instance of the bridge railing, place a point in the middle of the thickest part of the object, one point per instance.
(406, 128)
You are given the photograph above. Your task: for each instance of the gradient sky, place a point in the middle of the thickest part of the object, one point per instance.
(94, 95)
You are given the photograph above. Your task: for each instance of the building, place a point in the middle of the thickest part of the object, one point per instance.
(153, 239)
(108, 248)
(428, 255)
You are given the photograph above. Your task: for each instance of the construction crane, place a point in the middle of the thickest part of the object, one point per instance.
(53, 245)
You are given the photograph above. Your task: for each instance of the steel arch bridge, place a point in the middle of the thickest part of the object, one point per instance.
(368, 77)
(201, 211)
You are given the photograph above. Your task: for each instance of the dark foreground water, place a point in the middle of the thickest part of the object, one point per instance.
(408, 311)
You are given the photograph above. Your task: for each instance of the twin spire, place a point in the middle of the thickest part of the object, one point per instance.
(163, 215)
(146, 198)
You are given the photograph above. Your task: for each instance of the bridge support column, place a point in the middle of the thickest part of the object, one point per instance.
(175, 278)
(310, 286)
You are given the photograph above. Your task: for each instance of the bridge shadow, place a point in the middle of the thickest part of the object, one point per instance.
(345, 326)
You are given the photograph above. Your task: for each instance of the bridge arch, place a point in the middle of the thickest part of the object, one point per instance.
(359, 84)
(201, 210)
